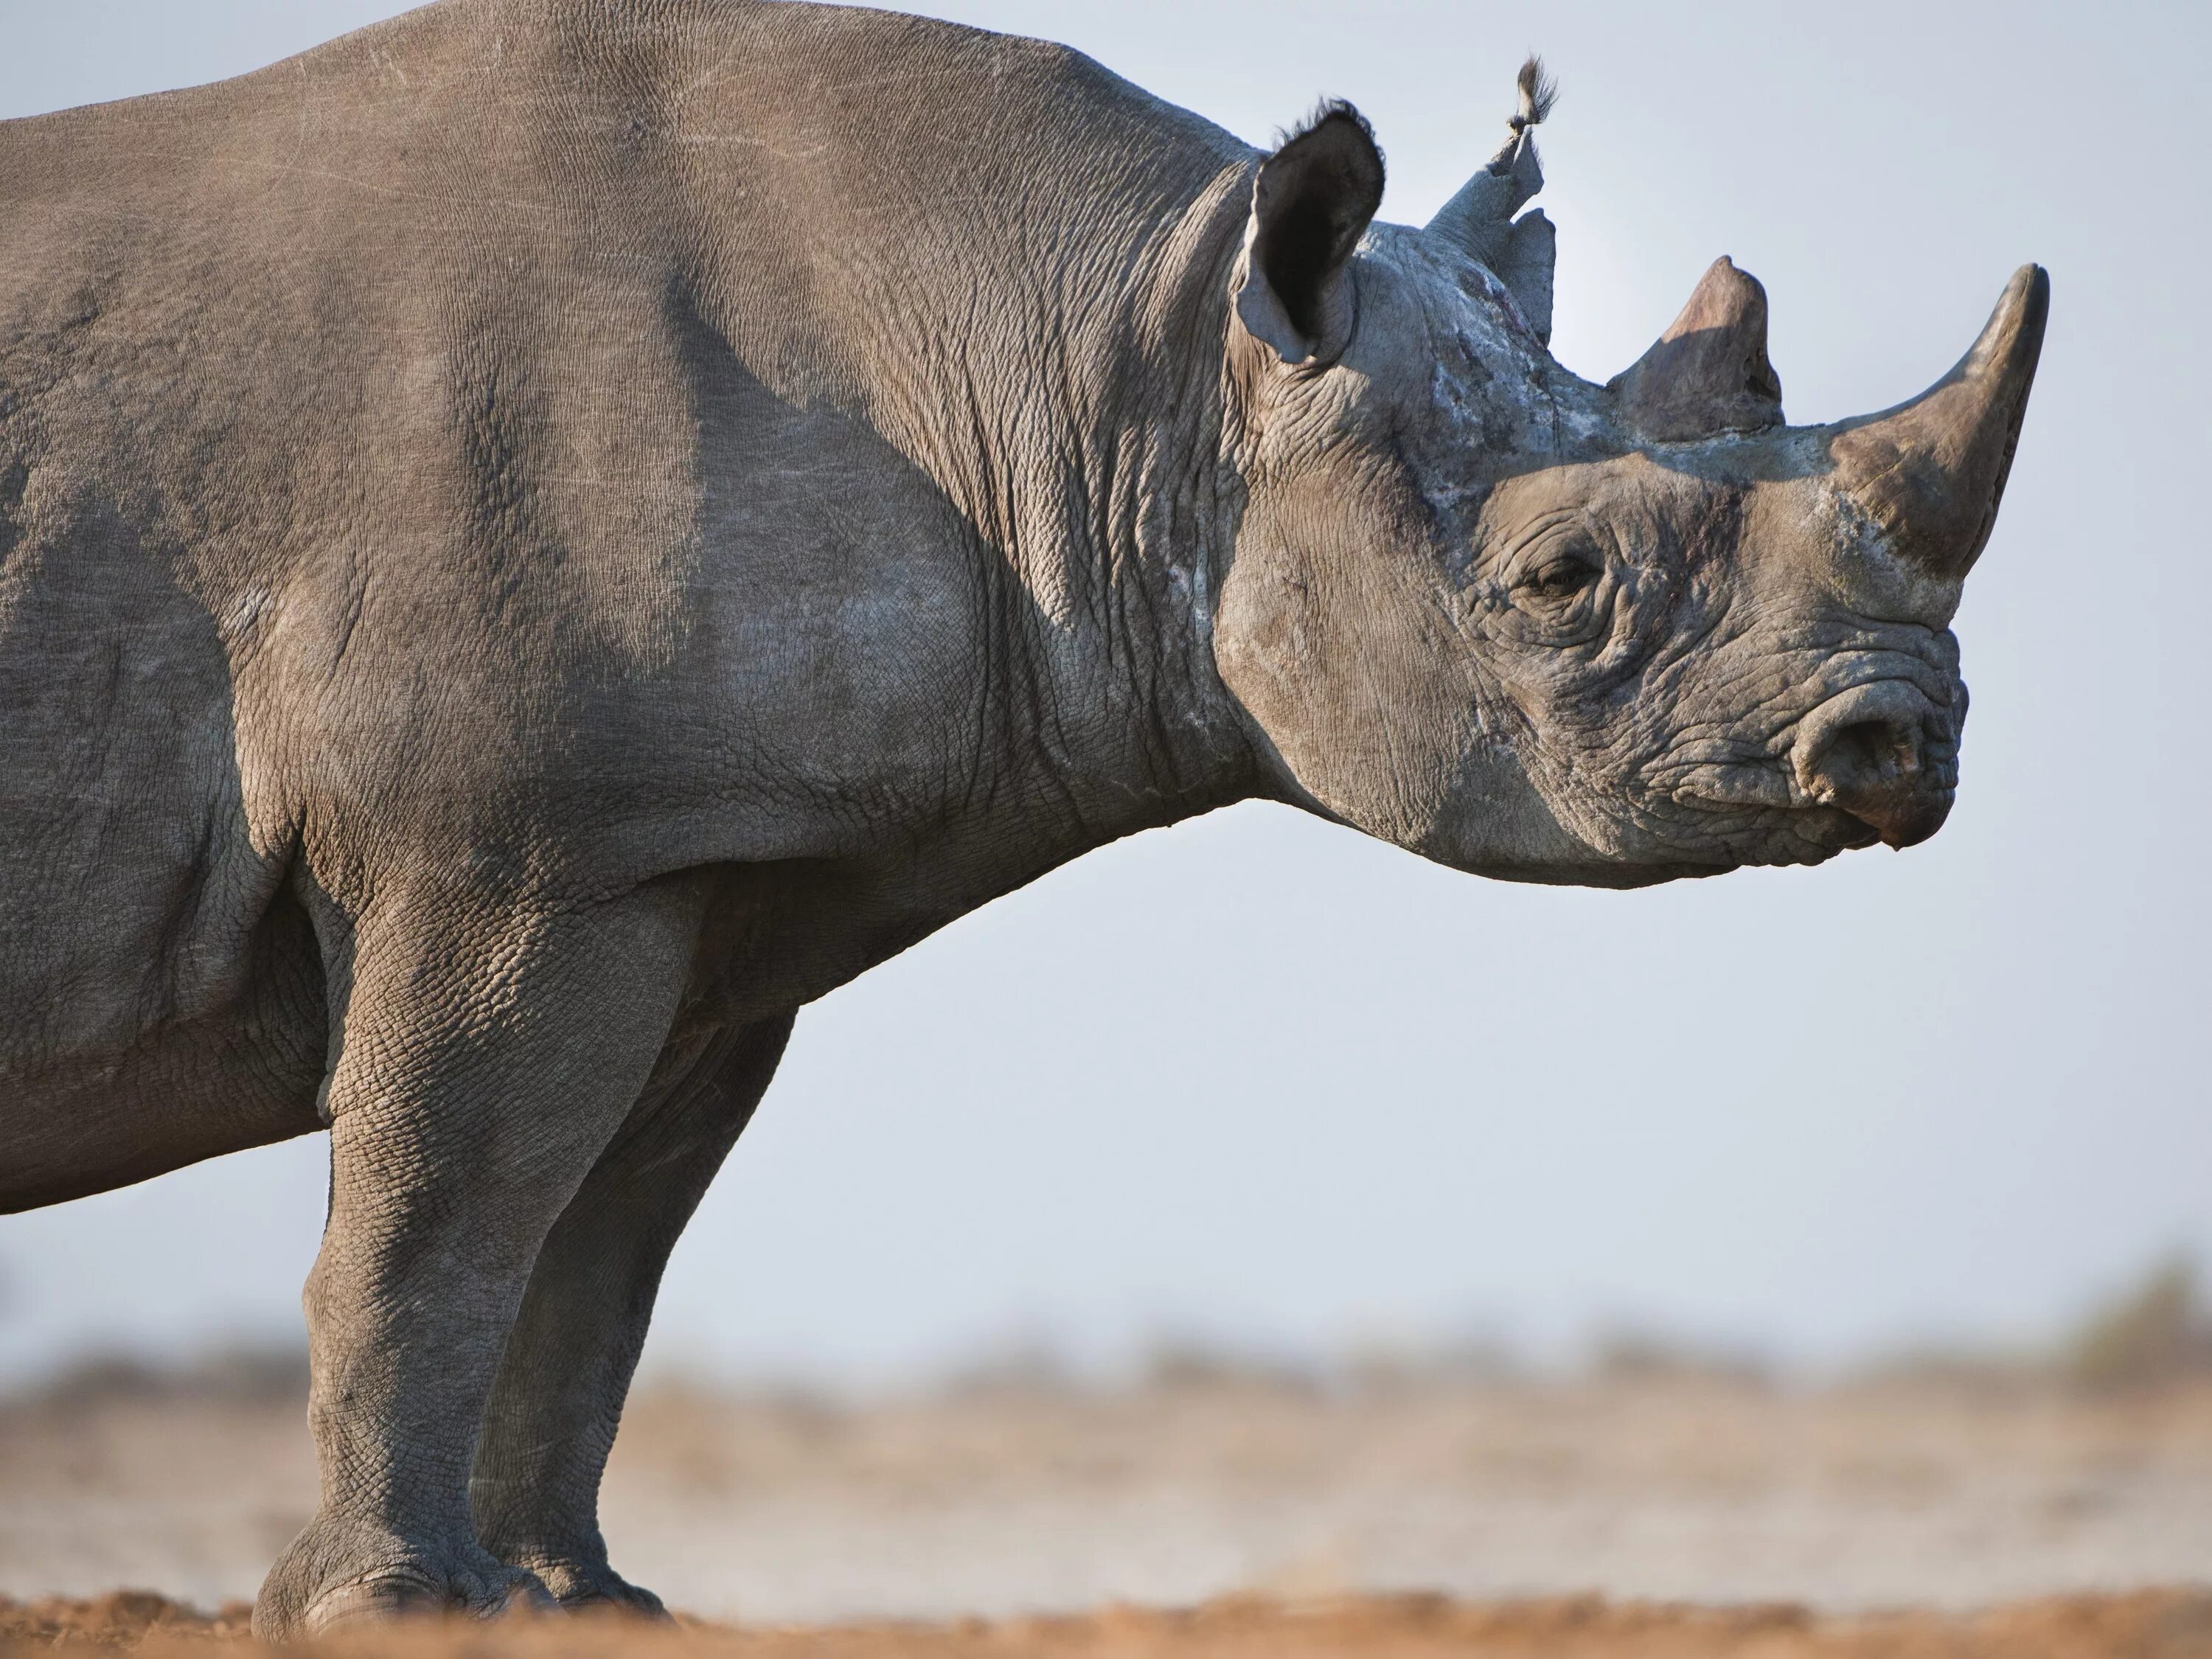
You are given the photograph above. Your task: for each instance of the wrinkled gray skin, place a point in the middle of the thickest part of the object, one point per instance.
(542, 536)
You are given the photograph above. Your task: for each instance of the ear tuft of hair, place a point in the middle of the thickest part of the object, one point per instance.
(1329, 109)
(1539, 92)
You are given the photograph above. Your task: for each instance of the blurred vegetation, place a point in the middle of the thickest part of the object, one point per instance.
(2152, 1332)
(246, 1375)
(1634, 1355)
(2155, 1331)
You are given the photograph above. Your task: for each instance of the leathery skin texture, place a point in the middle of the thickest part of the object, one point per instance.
(540, 537)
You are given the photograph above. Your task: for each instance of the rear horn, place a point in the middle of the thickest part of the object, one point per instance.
(1708, 373)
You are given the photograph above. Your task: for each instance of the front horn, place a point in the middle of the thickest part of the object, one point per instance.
(1932, 472)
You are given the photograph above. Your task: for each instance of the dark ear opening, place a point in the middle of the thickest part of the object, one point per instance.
(1311, 203)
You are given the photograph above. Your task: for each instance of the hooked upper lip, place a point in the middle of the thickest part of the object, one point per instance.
(1876, 761)
(1882, 752)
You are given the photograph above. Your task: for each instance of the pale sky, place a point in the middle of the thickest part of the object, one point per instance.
(1258, 1079)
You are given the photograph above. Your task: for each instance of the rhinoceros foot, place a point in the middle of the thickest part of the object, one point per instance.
(578, 1584)
(330, 1579)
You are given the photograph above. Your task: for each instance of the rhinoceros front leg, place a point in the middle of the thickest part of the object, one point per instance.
(559, 1397)
(485, 1061)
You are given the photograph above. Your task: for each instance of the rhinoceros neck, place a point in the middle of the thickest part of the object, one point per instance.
(1013, 267)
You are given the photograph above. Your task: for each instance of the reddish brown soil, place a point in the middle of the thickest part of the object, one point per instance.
(2150, 1624)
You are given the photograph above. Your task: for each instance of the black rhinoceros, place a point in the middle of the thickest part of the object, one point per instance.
(540, 537)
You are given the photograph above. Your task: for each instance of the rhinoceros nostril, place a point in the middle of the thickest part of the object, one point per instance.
(1876, 751)
(1868, 752)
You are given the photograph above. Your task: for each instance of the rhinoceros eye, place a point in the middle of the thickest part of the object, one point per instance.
(1556, 581)
(1561, 574)
(1561, 579)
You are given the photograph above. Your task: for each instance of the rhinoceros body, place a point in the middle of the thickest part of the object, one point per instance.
(540, 537)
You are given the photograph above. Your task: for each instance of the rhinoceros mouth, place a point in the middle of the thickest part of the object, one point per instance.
(1876, 760)
(1806, 835)
(1748, 814)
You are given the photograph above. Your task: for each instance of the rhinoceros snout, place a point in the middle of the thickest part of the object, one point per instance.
(1886, 755)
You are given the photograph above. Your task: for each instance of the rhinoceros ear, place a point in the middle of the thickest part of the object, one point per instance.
(1312, 200)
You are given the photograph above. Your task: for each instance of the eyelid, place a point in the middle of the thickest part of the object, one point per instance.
(1563, 521)
(1564, 536)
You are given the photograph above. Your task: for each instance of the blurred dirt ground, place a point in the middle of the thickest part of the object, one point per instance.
(1015, 1496)
(2146, 1626)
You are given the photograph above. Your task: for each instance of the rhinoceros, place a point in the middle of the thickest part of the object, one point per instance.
(542, 536)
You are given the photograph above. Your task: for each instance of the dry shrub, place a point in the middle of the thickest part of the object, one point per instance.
(2156, 1332)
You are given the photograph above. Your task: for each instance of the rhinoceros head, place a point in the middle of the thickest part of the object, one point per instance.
(1543, 629)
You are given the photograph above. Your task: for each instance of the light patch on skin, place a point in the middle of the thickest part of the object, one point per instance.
(252, 604)
(1862, 562)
